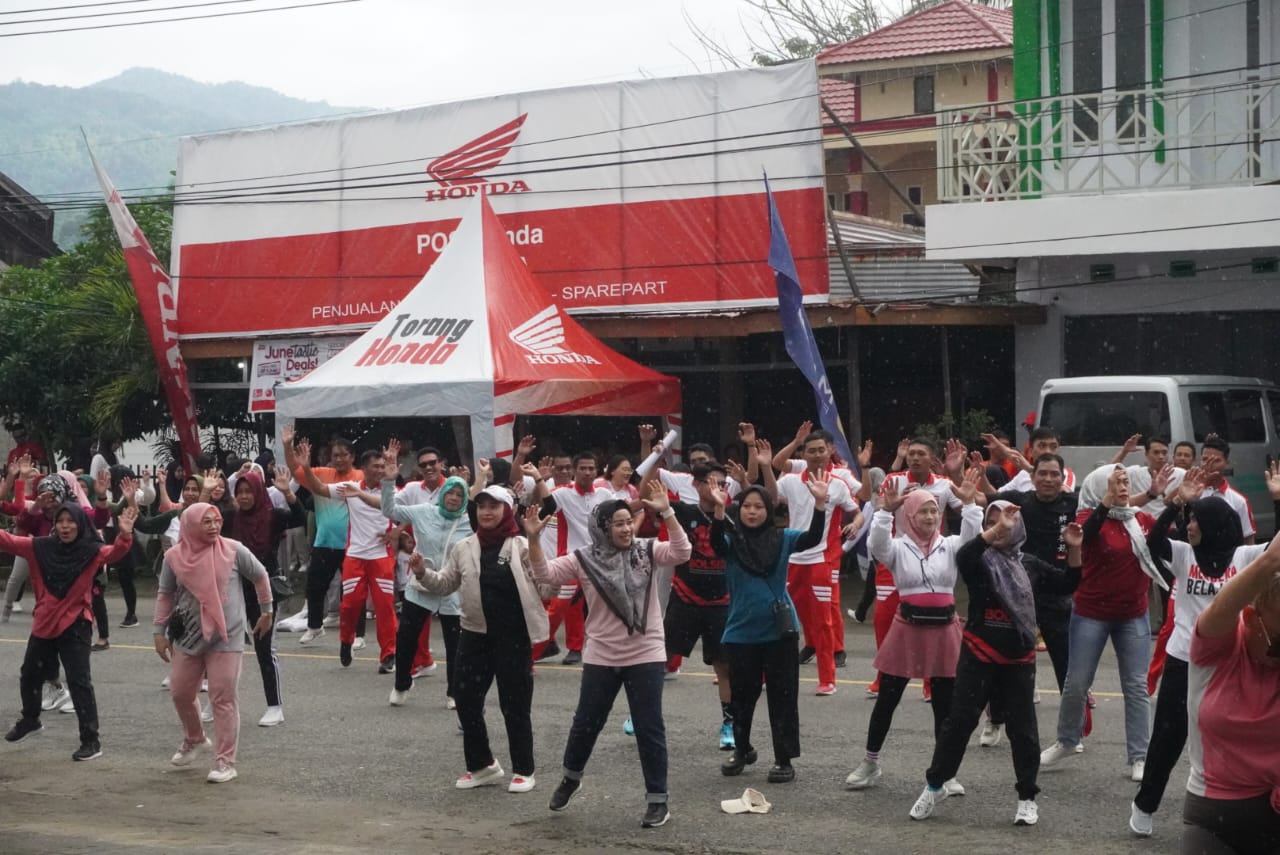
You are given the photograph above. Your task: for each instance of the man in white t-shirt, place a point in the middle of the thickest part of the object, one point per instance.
(811, 573)
(571, 505)
(1156, 451)
(369, 568)
(1215, 458)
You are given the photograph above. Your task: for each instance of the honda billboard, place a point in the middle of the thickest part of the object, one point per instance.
(644, 196)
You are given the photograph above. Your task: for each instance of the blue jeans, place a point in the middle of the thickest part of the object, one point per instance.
(1131, 640)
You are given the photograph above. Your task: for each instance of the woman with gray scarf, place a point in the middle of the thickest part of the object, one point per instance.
(998, 657)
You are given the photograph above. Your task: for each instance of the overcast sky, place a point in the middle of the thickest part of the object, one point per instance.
(377, 53)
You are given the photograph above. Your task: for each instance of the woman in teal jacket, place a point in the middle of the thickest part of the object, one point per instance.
(761, 632)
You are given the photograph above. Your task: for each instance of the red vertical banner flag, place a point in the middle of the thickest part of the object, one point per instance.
(159, 307)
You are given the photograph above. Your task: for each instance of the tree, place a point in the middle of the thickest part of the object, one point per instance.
(77, 364)
(784, 30)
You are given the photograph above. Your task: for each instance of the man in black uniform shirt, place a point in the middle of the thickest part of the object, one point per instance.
(699, 601)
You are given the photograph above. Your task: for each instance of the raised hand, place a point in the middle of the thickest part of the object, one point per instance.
(484, 469)
(287, 434)
(124, 522)
(655, 497)
(13, 469)
(1131, 444)
(102, 483)
(1193, 485)
(1073, 535)
(735, 471)
(1112, 497)
(864, 454)
(303, 448)
(996, 450)
(1005, 520)
(746, 433)
(819, 485)
(391, 457)
(533, 522)
(648, 433)
(526, 446)
(764, 452)
(245, 468)
(347, 490)
(545, 467)
(806, 428)
(129, 490)
(890, 499)
(955, 453)
(1273, 479)
(530, 471)
(1160, 481)
(462, 472)
(281, 480)
(968, 488)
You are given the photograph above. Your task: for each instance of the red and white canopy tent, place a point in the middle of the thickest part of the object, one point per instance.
(479, 336)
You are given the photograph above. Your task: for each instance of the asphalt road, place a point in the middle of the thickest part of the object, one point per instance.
(346, 773)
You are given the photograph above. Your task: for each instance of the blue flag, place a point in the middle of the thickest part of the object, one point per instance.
(797, 333)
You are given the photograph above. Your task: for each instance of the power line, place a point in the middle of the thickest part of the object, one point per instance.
(309, 5)
(74, 6)
(125, 12)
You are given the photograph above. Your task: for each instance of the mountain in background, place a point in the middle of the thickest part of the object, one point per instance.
(133, 121)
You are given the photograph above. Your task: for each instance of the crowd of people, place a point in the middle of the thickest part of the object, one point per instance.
(644, 560)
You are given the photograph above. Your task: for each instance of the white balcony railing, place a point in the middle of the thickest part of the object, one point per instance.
(1227, 134)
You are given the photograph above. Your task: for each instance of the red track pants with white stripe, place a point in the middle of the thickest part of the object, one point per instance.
(810, 588)
(373, 578)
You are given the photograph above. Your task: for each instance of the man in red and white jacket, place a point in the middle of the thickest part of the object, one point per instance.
(813, 576)
(571, 505)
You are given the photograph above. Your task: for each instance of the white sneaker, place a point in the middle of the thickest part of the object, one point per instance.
(1055, 754)
(54, 697)
(68, 706)
(17, 608)
(187, 752)
(866, 775)
(1140, 822)
(329, 622)
(991, 734)
(450, 704)
(221, 773)
(311, 635)
(520, 784)
(397, 698)
(1080, 747)
(164, 684)
(358, 644)
(206, 712)
(488, 776)
(923, 808)
(1028, 813)
(672, 675)
(1035, 699)
(953, 787)
(1135, 770)
(204, 685)
(424, 671)
(272, 717)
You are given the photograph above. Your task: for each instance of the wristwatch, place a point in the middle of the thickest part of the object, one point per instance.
(667, 514)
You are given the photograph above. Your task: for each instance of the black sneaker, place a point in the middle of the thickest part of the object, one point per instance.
(860, 614)
(88, 750)
(655, 815)
(736, 762)
(344, 654)
(806, 655)
(387, 665)
(550, 650)
(129, 622)
(573, 657)
(782, 773)
(566, 791)
(841, 658)
(24, 728)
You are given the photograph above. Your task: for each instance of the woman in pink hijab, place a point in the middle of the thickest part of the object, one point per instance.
(924, 640)
(200, 626)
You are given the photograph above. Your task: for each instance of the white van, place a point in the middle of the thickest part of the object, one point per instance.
(1093, 416)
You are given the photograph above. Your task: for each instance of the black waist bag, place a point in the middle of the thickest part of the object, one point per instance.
(927, 615)
(783, 621)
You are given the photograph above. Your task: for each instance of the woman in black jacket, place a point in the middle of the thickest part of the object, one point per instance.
(998, 657)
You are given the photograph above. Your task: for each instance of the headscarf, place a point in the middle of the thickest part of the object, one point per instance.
(55, 484)
(450, 483)
(1009, 578)
(62, 563)
(917, 499)
(875, 476)
(755, 549)
(253, 527)
(507, 527)
(621, 575)
(1092, 491)
(203, 568)
(1220, 535)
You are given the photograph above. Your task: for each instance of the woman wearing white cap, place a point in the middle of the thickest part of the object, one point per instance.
(502, 618)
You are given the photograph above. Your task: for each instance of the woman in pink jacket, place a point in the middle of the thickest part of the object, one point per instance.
(626, 645)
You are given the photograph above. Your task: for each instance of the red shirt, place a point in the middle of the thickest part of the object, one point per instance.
(1112, 584)
(52, 616)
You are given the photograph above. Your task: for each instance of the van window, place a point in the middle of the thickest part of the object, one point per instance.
(1105, 418)
(1234, 414)
(1273, 398)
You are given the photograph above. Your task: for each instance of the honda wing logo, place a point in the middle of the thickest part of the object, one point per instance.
(543, 336)
(460, 173)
